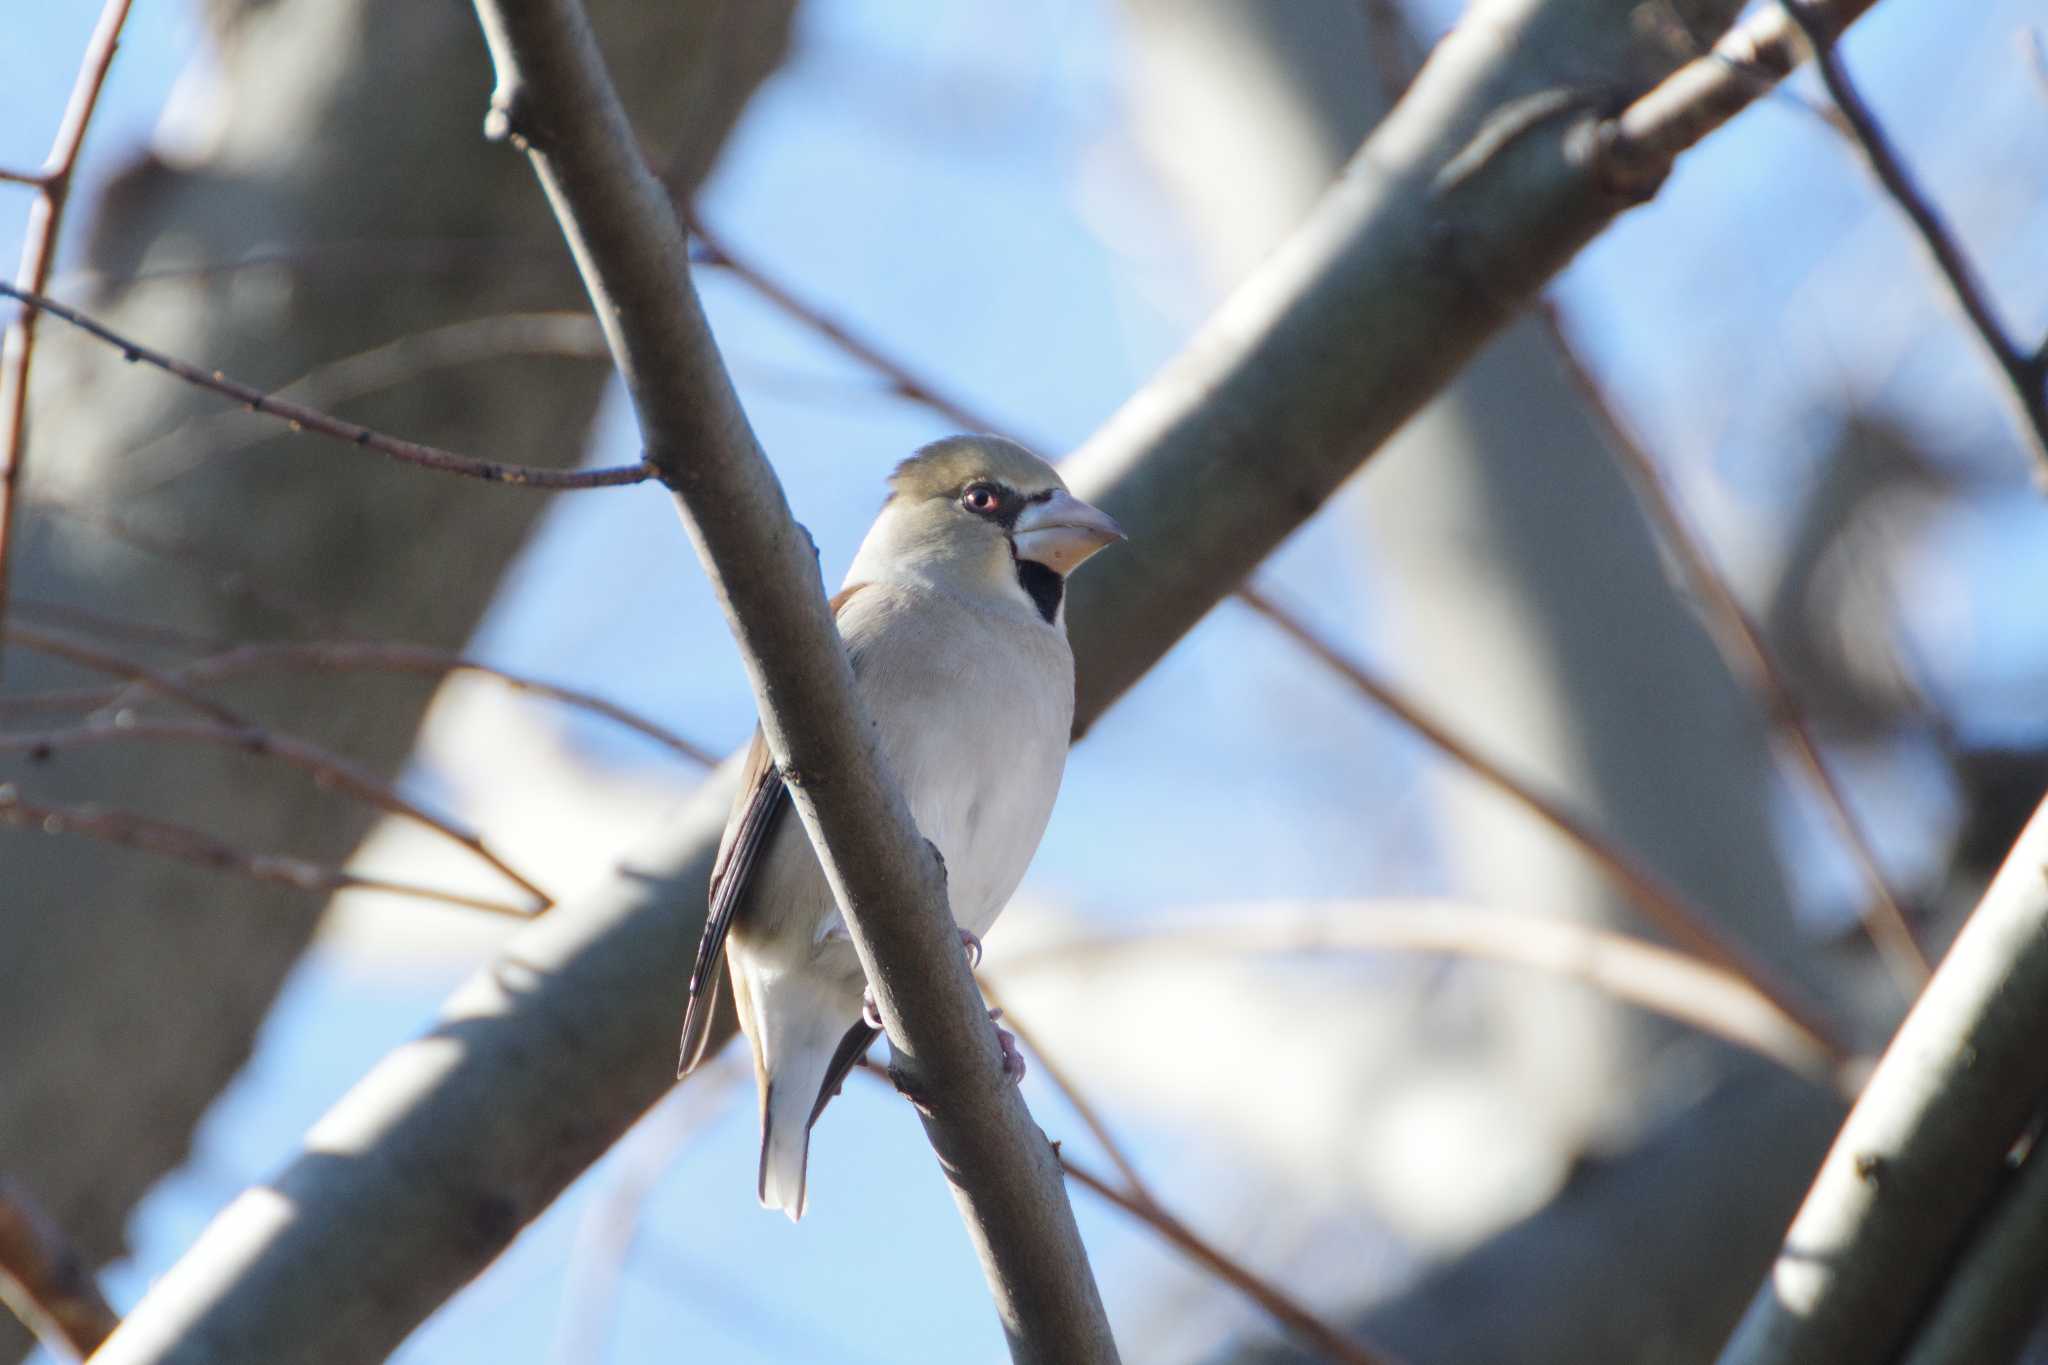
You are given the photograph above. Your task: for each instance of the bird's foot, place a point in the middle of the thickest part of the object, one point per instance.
(1013, 1056)
(870, 1012)
(972, 946)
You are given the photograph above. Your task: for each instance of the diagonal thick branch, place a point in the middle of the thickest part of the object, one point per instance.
(430, 1166)
(554, 99)
(1917, 1164)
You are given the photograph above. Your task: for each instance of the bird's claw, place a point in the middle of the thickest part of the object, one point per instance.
(1013, 1056)
(870, 1012)
(972, 945)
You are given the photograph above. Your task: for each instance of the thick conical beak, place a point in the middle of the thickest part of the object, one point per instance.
(1062, 531)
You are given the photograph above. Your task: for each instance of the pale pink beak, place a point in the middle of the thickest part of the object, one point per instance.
(1063, 531)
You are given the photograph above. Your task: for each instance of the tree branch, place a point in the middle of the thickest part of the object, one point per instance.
(1699, 994)
(1991, 1303)
(2025, 372)
(327, 769)
(1750, 660)
(39, 249)
(45, 1280)
(554, 100)
(1927, 1144)
(168, 839)
(299, 416)
(1690, 928)
(436, 1159)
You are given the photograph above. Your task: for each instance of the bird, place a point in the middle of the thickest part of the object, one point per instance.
(953, 616)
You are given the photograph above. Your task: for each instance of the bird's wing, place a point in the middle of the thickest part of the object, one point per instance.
(763, 799)
(762, 802)
(852, 1048)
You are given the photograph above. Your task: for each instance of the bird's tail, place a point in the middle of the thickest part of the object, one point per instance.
(799, 1054)
(785, 1150)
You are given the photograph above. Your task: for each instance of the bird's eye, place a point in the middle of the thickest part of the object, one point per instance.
(981, 499)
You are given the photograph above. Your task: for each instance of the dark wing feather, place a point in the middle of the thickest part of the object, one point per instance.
(763, 800)
(852, 1048)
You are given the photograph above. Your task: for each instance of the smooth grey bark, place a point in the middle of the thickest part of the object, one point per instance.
(1521, 582)
(1439, 232)
(554, 98)
(1922, 1154)
(130, 988)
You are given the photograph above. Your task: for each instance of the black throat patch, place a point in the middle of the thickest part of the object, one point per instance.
(1044, 587)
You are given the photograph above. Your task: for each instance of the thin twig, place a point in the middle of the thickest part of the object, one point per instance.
(2025, 370)
(185, 844)
(1686, 925)
(904, 381)
(299, 416)
(348, 656)
(406, 359)
(1749, 659)
(327, 769)
(1678, 986)
(120, 666)
(1283, 1308)
(113, 627)
(39, 249)
(46, 1280)
(1078, 1102)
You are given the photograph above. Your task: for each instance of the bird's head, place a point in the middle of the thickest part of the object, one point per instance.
(983, 516)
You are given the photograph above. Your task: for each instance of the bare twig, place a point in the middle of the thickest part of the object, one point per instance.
(327, 769)
(120, 666)
(1686, 925)
(299, 416)
(45, 1280)
(407, 359)
(185, 844)
(1649, 976)
(372, 656)
(2025, 369)
(1635, 149)
(39, 249)
(1916, 1164)
(112, 627)
(903, 380)
(1750, 660)
(1277, 1303)
(1326, 1341)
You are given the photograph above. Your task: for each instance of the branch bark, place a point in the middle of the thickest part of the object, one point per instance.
(554, 99)
(1926, 1146)
(1487, 179)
